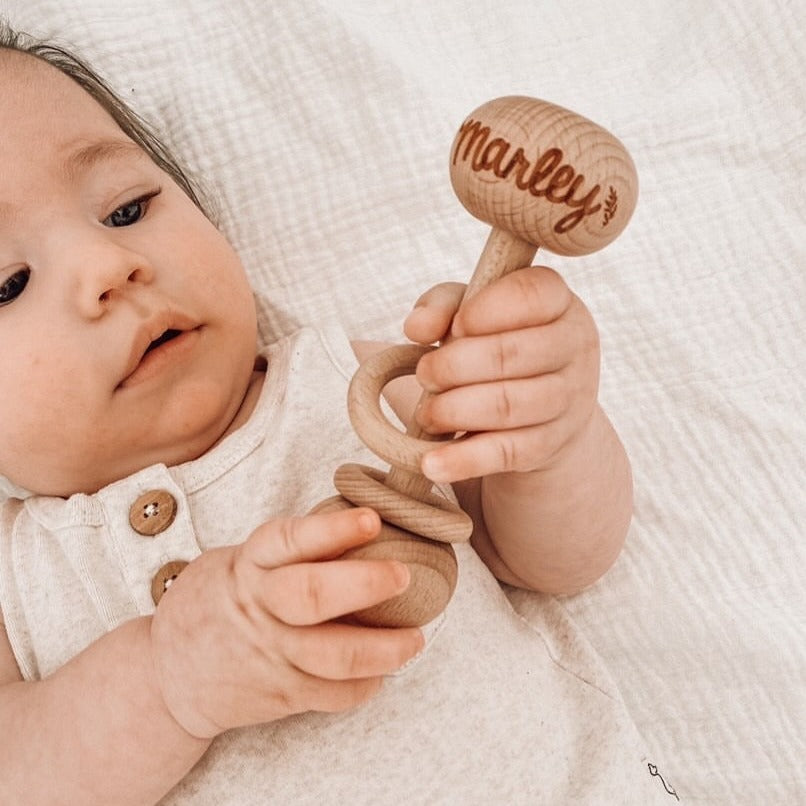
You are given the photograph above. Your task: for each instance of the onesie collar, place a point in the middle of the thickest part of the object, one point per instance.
(191, 476)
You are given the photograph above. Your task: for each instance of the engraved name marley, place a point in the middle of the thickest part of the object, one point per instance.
(540, 174)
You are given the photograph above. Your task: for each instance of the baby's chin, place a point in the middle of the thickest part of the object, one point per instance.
(179, 431)
(64, 481)
(91, 481)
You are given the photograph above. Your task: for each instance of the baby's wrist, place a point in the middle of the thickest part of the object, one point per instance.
(169, 692)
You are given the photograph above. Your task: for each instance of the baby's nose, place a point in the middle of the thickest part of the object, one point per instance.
(107, 277)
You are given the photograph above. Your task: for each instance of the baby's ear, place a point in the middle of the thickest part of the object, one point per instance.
(430, 320)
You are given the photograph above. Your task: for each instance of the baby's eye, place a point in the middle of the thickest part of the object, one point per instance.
(129, 213)
(11, 288)
(125, 216)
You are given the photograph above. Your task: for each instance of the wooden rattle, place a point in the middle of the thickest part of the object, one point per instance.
(542, 176)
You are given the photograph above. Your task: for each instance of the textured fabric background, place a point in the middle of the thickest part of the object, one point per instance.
(324, 128)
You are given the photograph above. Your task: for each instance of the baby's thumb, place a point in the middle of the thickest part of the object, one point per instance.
(430, 320)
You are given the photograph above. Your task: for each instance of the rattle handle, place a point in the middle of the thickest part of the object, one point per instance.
(503, 253)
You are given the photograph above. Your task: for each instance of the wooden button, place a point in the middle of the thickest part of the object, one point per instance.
(164, 577)
(153, 512)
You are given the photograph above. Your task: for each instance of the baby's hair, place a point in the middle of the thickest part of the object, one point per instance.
(132, 125)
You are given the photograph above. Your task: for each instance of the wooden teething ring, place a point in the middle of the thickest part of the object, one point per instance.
(542, 176)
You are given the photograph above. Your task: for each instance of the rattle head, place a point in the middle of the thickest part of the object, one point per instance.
(545, 174)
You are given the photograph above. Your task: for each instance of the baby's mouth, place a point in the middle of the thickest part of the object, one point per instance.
(149, 359)
(166, 336)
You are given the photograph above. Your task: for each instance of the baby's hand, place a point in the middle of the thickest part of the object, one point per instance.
(246, 633)
(520, 372)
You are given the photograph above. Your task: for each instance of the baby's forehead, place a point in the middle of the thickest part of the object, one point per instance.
(24, 76)
(20, 70)
(45, 107)
(42, 105)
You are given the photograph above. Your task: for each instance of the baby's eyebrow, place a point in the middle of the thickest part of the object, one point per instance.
(80, 157)
(88, 155)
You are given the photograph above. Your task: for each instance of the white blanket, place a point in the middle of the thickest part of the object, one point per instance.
(325, 127)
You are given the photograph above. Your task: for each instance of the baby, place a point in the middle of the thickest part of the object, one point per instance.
(173, 630)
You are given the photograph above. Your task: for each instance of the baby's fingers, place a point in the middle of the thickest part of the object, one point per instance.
(510, 354)
(433, 313)
(518, 449)
(496, 406)
(314, 537)
(522, 298)
(333, 696)
(311, 593)
(348, 652)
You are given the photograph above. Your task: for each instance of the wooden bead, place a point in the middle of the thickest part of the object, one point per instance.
(433, 571)
(435, 516)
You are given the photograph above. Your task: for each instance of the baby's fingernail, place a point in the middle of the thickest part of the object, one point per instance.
(402, 575)
(419, 640)
(367, 522)
(434, 468)
(419, 409)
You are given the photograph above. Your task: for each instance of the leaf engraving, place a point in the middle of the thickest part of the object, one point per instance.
(611, 205)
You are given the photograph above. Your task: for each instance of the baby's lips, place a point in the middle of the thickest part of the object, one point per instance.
(149, 331)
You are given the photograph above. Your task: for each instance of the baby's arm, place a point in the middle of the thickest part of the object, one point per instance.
(244, 635)
(543, 473)
(96, 731)
(560, 529)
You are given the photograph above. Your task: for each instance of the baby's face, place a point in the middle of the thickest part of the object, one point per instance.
(127, 324)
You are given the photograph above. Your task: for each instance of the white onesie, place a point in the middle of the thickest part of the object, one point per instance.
(504, 705)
